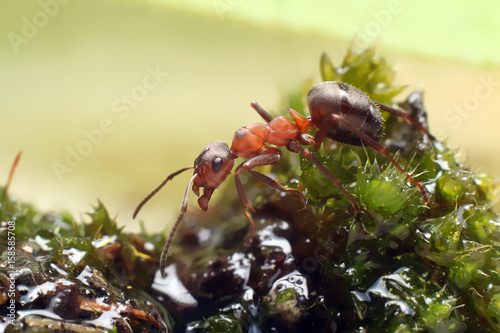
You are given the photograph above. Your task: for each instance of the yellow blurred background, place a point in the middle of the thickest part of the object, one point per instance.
(106, 98)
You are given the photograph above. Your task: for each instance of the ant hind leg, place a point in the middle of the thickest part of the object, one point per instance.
(406, 116)
(378, 147)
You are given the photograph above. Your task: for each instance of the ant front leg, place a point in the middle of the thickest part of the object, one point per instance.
(406, 116)
(260, 160)
(375, 145)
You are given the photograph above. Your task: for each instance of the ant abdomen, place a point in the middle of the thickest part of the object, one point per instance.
(349, 103)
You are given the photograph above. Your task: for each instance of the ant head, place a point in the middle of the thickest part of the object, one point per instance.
(212, 167)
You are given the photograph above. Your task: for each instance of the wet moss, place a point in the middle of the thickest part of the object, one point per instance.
(70, 276)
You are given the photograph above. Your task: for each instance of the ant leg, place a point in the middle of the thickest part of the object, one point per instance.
(275, 184)
(259, 160)
(378, 147)
(406, 116)
(164, 252)
(296, 148)
(321, 133)
(263, 113)
(244, 202)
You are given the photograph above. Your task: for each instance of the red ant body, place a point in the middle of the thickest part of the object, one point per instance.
(338, 111)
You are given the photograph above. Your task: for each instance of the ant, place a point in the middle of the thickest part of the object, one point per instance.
(338, 111)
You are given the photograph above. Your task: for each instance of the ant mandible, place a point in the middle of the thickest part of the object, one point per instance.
(338, 111)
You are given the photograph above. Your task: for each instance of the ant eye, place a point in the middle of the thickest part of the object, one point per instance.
(217, 164)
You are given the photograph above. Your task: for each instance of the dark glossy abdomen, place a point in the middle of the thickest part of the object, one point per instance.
(348, 102)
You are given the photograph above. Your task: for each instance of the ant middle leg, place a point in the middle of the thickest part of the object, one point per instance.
(375, 145)
(260, 160)
(275, 184)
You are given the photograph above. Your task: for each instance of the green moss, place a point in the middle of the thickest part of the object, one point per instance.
(365, 71)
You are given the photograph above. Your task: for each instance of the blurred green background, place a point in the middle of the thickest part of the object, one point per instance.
(137, 88)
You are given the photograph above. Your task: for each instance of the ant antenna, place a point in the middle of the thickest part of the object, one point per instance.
(150, 195)
(163, 257)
